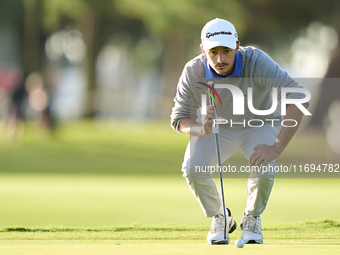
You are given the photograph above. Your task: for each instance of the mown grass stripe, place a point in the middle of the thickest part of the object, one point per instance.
(321, 224)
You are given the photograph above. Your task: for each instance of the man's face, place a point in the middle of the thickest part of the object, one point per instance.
(221, 59)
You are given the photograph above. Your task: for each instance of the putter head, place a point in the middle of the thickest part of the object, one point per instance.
(219, 242)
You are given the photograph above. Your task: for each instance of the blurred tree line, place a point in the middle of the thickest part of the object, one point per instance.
(176, 23)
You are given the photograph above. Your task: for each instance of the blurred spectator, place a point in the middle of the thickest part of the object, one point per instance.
(13, 98)
(23, 99)
(39, 102)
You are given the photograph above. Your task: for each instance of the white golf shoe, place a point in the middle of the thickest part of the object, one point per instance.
(216, 232)
(251, 229)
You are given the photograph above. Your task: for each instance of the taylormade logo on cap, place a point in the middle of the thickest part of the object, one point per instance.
(219, 32)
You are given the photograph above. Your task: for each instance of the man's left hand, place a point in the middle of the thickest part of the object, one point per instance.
(263, 154)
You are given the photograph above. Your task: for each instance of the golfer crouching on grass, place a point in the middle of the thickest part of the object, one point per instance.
(224, 61)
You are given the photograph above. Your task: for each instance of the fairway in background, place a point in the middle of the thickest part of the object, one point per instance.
(96, 201)
(123, 148)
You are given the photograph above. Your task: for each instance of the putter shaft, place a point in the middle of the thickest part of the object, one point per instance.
(215, 132)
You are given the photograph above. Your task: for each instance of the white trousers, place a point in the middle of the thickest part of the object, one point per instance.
(201, 151)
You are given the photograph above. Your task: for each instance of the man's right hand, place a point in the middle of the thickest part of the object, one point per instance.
(209, 119)
(191, 128)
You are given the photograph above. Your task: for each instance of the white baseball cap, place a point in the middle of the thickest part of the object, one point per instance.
(219, 32)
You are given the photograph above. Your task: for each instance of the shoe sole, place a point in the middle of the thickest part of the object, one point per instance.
(219, 242)
(233, 227)
(253, 242)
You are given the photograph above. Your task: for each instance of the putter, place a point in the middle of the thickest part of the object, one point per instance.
(215, 131)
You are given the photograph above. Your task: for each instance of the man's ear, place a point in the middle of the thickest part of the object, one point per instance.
(237, 47)
(204, 53)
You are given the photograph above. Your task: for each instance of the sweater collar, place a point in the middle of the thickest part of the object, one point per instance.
(237, 71)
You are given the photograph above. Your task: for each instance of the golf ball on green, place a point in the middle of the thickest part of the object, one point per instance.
(239, 243)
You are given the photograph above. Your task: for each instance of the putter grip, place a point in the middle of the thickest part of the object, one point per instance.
(215, 128)
(212, 93)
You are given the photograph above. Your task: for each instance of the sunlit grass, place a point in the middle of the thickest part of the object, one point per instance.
(121, 147)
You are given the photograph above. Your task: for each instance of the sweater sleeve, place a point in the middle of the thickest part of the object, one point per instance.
(186, 105)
